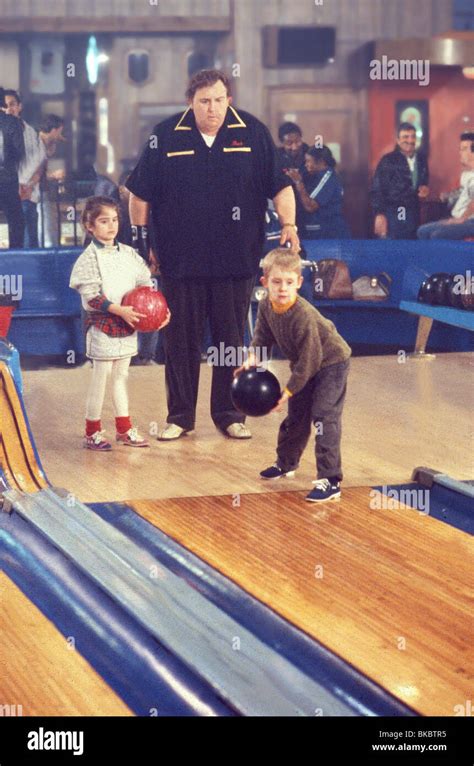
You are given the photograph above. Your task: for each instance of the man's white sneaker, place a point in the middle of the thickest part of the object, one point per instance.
(238, 431)
(172, 431)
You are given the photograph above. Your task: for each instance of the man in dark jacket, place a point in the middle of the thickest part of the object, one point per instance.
(205, 176)
(290, 156)
(400, 181)
(12, 151)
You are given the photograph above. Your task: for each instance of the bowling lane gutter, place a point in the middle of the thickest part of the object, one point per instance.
(445, 503)
(141, 671)
(339, 681)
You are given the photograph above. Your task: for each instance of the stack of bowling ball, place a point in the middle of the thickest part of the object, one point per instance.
(443, 289)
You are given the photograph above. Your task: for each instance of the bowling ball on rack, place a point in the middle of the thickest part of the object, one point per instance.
(152, 303)
(455, 296)
(426, 293)
(255, 391)
(441, 282)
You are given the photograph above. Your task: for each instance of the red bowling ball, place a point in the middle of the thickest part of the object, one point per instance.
(150, 302)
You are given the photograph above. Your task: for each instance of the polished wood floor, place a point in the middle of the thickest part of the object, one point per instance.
(40, 670)
(390, 591)
(387, 590)
(397, 416)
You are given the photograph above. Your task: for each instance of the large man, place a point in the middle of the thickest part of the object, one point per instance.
(460, 224)
(30, 170)
(400, 181)
(12, 152)
(206, 176)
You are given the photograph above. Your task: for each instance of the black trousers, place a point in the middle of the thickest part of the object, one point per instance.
(405, 228)
(320, 402)
(10, 203)
(225, 304)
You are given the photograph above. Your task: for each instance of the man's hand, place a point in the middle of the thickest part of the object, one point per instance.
(281, 402)
(380, 225)
(289, 234)
(249, 362)
(423, 192)
(57, 175)
(25, 191)
(166, 321)
(294, 174)
(153, 262)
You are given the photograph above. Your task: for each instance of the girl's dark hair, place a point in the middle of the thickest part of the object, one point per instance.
(94, 207)
(323, 153)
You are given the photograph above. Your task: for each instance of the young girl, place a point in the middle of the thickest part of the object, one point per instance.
(102, 275)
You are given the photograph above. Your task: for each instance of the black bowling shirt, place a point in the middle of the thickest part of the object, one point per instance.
(208, 204)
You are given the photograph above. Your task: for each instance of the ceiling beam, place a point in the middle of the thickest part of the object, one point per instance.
(114, 24)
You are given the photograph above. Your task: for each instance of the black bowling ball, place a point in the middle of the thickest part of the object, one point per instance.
(255, 391)
(455, 294)
(426, 293)
(440, 284)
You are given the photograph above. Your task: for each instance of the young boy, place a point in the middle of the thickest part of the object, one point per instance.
(319, 364)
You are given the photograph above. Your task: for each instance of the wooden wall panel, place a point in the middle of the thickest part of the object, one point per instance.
(109, 8)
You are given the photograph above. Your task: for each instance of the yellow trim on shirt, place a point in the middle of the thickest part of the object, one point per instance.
(240, 123)
(179, 154)
(237, 149)
(287, 391)
(183, 127)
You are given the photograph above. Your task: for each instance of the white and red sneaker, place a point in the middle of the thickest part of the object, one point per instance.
(131, 438)
(97, 442)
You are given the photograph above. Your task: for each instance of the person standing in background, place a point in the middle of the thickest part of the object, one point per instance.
(30, 170)
(291, 157)
(400, 182)
(51, 133)
(12, 153)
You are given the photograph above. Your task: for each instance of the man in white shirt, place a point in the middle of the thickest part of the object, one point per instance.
(460, 225)
(29, 170)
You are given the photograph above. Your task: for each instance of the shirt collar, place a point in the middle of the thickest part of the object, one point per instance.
(101, 246)
(284, 308)
(232, 120)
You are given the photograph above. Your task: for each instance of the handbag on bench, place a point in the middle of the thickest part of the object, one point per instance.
(331, 279)
(375, 288)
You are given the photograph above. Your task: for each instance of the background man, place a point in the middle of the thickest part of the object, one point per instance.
(293, 149)
(461, 222)
(291, 157)
(206, 176)
(400, 181)
(12, 152)
(51, 133)
(30, 169)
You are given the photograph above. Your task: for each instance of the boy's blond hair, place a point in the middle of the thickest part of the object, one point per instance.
(282, 258)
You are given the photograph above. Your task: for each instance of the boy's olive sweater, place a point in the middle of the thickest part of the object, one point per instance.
(308, 340)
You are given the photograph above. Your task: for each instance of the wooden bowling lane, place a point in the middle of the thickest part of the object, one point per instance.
(39, 670)
(17, 458)
(389, 591)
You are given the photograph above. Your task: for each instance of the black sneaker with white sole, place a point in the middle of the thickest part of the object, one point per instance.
(324, 490)
(275, 472)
